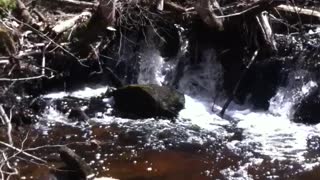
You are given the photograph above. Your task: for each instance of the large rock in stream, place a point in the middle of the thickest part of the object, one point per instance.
(145, 101)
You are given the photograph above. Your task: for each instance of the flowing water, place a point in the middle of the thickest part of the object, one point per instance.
(246, 144)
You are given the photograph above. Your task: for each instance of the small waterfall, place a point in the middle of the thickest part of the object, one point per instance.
(204, 79)
(268, 133)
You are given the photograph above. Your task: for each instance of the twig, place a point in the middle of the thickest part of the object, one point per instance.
(298, 10)
(23, 79)
(45, 37)
(21, 151)
(263, 21)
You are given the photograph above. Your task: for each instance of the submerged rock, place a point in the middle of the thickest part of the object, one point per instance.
(145, 101)
(307, 111)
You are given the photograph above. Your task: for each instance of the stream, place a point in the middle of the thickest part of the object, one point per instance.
(246, 144)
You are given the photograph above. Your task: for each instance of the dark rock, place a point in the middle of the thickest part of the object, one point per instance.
(307, 111)
(146, 101)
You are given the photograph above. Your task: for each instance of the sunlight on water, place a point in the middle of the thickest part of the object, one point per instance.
(83, 93)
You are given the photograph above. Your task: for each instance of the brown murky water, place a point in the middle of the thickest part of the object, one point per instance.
(113, 152)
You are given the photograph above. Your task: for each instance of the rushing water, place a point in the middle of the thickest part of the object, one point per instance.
(246, 144)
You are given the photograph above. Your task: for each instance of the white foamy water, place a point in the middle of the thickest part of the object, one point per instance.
(82, 93)
(199, 113)
(150, 73)
(277, 136)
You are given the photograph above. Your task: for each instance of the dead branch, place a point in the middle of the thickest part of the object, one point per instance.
(22, 79)
(83, 4)
(44, 36)
(21, 151)
(70, 23)
(263, 21)
(253, 9)
(175, 7)
(301, 11)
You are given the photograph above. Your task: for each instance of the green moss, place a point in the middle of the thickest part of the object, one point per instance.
(8, 4)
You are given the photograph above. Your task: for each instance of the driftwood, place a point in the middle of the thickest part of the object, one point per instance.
(70, 23)
(298, 10)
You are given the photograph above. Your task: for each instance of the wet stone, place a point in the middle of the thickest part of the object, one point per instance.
(145, 101)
